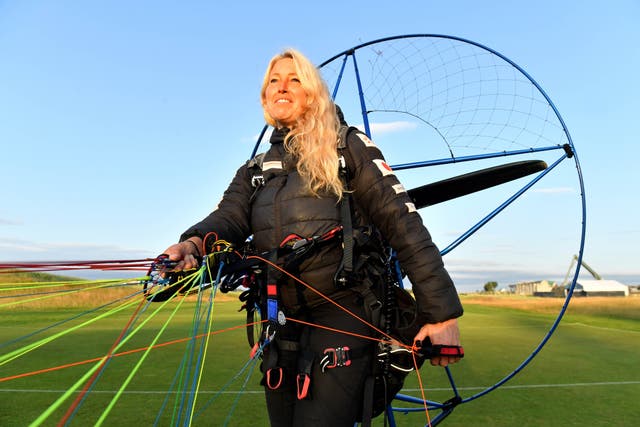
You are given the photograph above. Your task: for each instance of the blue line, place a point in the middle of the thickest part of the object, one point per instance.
(62, 322)
(198, 367)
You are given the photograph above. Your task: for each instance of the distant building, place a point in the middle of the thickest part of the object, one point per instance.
(608, 288)
(540, 287)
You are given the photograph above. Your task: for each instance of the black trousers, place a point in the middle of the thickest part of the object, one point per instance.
(336, 395)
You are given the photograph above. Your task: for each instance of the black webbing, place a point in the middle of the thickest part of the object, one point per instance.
(345, 211)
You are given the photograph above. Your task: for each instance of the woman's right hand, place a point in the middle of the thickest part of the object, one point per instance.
(186, 253)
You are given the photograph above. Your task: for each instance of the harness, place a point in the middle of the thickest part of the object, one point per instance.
(366, 268)
(346, 267)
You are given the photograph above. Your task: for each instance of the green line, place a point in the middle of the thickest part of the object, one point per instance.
(48, 296)
(189, 350)
(6, 358)
(135, 369)
(18, 286)
(212, 296)
(55, 405)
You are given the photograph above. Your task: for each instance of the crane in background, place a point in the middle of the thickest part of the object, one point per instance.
(585, 265)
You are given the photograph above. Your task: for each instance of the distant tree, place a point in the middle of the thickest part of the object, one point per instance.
(490, 287)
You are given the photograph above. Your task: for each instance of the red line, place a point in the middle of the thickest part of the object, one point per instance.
(414, 350)
(95, 375)
(123, 353)
(75, 265)
(134, 264)
(327, 298)
(340, 331)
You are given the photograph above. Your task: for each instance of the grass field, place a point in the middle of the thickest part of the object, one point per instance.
(586, 375)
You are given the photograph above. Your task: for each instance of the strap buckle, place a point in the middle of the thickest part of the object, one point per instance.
(257, 181)
(296, 243)
(335, 358)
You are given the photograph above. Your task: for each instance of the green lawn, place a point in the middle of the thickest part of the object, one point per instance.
(586, 375)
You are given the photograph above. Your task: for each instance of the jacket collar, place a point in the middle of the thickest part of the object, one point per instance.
(278, 135)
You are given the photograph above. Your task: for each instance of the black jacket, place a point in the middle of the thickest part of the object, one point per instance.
(282, 207)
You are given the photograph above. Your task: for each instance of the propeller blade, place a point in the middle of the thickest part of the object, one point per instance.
(461, 185)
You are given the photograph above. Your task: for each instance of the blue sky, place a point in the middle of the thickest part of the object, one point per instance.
(121, 123)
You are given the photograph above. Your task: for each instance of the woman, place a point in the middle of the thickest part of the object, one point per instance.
(300, 193)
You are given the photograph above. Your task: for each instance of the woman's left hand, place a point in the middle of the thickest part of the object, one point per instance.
(443, 333)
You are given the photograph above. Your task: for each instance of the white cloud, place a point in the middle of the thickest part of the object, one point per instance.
(390, 127)
(4, 221)
(23, 250)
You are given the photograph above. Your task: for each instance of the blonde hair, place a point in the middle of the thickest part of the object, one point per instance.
(313, 138)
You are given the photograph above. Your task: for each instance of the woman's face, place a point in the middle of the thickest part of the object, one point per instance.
(284, 98)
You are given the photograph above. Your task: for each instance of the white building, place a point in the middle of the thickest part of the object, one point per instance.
(533, 288)
(600, 288)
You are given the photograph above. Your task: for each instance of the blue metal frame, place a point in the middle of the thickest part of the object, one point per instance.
(447, 407)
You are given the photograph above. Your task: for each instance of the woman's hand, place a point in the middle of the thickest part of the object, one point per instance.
(185, 253)
(443, 333)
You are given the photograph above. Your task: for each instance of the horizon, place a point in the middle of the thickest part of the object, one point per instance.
(124, 123)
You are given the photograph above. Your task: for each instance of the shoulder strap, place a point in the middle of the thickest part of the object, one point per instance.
(345, 271)
(346, 161)
(255, 165)
(342, 136)
(256, 161)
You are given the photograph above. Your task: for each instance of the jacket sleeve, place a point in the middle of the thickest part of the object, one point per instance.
(383, 200)
(230, 219)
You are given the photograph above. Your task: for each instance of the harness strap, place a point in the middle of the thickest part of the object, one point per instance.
(274, 373)
(303, 379)
(305, 364)
(367, 406)
(294, 249)
(288, 345)
(345, 270)
(271, 366)
(372, 304)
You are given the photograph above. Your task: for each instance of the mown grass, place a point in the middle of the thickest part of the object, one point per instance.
(621, 312)
(620, 307)
(17, 276)
(586, 375)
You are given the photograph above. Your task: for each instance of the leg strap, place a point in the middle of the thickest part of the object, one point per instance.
(367, 406)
